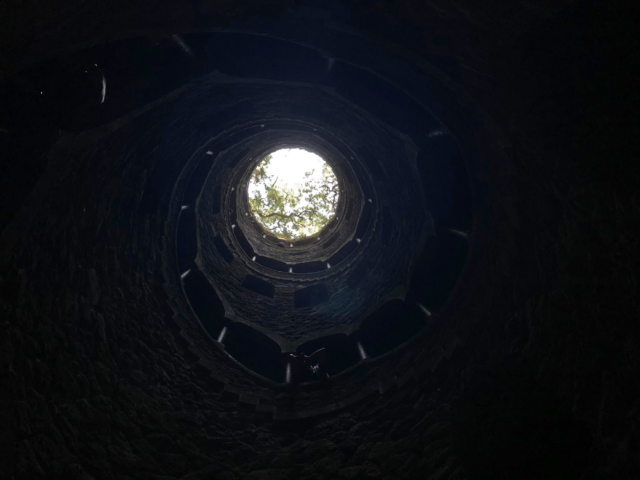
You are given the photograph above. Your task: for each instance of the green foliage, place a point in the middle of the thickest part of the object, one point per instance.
(291, 214)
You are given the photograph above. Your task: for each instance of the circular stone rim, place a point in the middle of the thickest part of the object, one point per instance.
(307, 139)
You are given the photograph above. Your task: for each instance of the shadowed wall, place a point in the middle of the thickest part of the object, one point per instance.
(528, 367)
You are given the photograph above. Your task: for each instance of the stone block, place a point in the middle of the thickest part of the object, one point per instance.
(330, 464)
(435, 358)
(387, 384)
(318, 449)
(370, 471)
(269, 474)
(349, 473)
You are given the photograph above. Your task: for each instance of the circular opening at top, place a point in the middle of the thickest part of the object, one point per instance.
(293, 193)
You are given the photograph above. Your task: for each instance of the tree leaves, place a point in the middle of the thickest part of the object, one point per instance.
(289, 213)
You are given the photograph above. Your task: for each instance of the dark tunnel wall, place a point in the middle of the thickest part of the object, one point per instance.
(528, 365)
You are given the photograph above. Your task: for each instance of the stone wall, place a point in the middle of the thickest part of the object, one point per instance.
(531, 372)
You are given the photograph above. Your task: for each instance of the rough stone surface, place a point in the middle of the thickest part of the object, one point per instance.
(98, 382)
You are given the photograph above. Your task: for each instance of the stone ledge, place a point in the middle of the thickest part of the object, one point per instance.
(285, 415)
(219, 378)
(207, 364)
(184, 334)
(173, 304)
(234, 390)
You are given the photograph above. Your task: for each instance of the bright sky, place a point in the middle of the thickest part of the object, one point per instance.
(290, 165)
